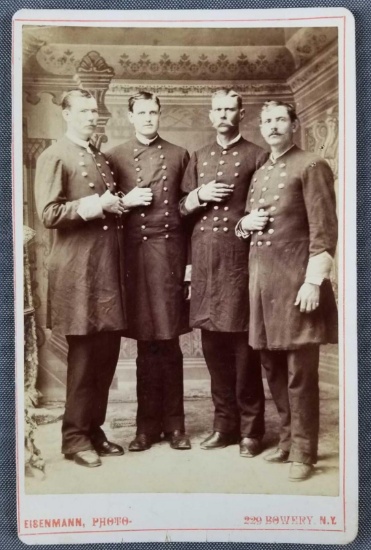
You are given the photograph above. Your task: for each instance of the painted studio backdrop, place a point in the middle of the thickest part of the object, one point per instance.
(182, 66)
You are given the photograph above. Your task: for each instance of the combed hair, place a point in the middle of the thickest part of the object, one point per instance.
(289, 108)
(78, 92)
(230, 92)
(143, 94)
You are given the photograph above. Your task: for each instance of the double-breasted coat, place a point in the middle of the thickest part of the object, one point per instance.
(220, 292)
(155, 240)
(297, 190)
(86, 282)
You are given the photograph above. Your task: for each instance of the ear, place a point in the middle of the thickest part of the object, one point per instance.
(211, 116)
(242, 113)
(130, 117)
(66, 113)
(295, 126)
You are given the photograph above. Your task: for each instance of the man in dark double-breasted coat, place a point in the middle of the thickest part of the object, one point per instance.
(75, 195)
(292, 228)
(149, 172)
(217, 180)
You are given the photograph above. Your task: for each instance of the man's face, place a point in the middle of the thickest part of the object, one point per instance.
(145, 117)
(81, 117)
(276, 127)
(225, 115)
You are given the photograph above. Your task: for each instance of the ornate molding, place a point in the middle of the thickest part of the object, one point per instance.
(308, 42)
(54, 85)
(94, 63)
(322, 137)
(166, 90)
(325, 63)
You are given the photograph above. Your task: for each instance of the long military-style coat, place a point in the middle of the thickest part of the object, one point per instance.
(297, 191)
(86, 282)
(155, 240)
(220, 293)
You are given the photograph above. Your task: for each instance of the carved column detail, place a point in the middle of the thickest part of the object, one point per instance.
(95, 75)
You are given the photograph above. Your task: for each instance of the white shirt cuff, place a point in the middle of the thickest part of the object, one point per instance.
(90, 207)
(241, 233)
(192, 201)
(188, 273)
(319, 268)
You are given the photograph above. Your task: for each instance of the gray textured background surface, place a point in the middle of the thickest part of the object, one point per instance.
(362, 12)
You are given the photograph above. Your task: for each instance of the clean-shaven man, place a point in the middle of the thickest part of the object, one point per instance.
(149, 172)
(76, 196)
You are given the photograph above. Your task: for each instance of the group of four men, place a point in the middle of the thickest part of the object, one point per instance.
(143, 230)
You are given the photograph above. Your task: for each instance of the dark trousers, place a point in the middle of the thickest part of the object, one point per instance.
(293, 380)
(159, 387)
(91, 364)
(236, 383)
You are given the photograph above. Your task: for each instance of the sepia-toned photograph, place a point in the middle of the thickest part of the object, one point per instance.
(181, 227)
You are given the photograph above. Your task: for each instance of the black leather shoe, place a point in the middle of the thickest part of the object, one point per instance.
(178, 440)
(143, 442)
(250, 447)
(88, 458)
(218, 440)
(106, 448)
(278, 455)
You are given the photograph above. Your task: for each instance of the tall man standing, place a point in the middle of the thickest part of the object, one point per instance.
(150, 171)
(293, 227)
(75, 195)
(217, 180)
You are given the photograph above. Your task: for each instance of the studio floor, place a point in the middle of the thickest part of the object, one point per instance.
(162, 469)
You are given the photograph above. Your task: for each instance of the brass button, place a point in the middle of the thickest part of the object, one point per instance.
(283, 174)
(91, 184)
(103, 174)
(108, 184)
(271, 219)
(225, 229)
(107, 162)
(162, 156)
(137, 169)
(237, 163)
(164, 177)
(225, 219)
(84, 174)
(276, 197)
(226, 208)
(99, 164)
(136, 159)
(166, 201)
(261, 200)
(135, 150)
(252, 190)
(145, 238)
(260, 232)
(266, 178)
(255, 179)
(216, 207)
(143, 226)
(202, 228)
(166, 236)
(204, 217)
(82, 163)
(215, 229)
(143, 215)
(273, 208)
(164, 167)
(166, 213)
(224, 152)
(222, 162)
(204, 164)
(81, 154)
(105, 227)
(159, 146)
(262, 168)
(282, 165)
(165, 188)
(252, 200)
(219, 173)
(268, 243)
(236, 174)
(166, 226)
(270, 167)
(235, 153)
(212, 153)
(202, 175)
(139, 180)
(112, 173)
(264, 189)
(215, 218)
(251, 244)
(281, 185)
(259, 243)
(270, 231)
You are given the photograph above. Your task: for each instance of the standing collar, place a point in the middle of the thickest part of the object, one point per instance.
(77, 141)
(234, 140)
(144, 141)
(273, 159)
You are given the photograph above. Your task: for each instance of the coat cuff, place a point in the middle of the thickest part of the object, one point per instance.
(319, 268)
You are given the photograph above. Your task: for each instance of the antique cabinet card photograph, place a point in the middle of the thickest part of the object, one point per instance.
(184, 193)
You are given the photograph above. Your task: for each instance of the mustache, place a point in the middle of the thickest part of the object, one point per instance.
(275, 134)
